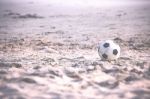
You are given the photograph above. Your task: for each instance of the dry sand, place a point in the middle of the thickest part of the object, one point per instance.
(49, 50)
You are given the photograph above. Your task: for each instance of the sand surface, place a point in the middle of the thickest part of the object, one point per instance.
(49, 50)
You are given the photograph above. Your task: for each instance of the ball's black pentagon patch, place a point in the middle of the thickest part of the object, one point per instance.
(115, 52)
(106, 45)
(105, 56)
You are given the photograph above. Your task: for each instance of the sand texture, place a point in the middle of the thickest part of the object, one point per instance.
(49, 51)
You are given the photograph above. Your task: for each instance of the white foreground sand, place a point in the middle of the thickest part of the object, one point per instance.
(49, 50)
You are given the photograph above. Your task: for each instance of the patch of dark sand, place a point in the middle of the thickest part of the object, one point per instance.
(112, 70)
(10, 65)
(71, 74)
(140, 42)
(6, 92)
(147, 74)
(23, 16)
(22, 79)
(55, 73)
(54, 32)
(12, 44)
(141, 94)
(108, 84)
(132, 77)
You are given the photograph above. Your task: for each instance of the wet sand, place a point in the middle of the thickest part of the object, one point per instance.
(49, 50)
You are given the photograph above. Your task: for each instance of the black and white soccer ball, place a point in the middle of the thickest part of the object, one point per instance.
(108, 50)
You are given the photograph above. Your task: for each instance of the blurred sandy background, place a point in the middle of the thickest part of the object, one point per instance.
(48, 49)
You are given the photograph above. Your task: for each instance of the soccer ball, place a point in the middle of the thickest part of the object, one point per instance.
(108, 50)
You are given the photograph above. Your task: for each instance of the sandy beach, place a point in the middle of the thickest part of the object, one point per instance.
(48, 49)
